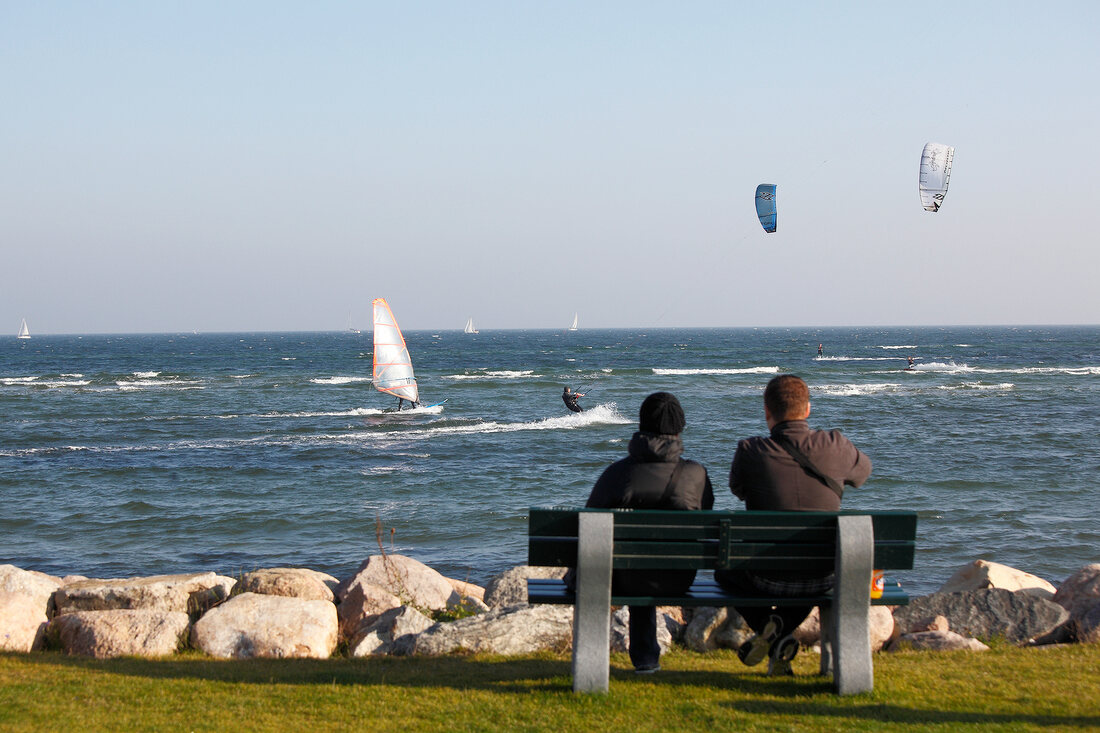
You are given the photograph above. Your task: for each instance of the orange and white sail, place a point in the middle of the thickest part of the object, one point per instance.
(393, 371)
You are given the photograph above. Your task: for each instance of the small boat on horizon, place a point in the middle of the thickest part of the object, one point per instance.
(24, 332)
(470, 327)
(573, 326)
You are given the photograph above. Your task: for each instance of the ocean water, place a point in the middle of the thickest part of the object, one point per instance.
(146, 454)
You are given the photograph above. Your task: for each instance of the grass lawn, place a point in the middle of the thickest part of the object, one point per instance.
(1006, 688)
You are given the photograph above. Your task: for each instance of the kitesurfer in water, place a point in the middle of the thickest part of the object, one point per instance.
(569, 397)
(910, 367)
(819, 349)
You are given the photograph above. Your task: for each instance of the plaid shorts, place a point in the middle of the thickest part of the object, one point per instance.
(774, 587)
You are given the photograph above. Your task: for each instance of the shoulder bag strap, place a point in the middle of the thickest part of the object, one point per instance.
(806, 463)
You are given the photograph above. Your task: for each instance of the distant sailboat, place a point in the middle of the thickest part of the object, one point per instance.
(470, 327)
(351, 328)
(24, 332)
(393, 371)
(573, 327)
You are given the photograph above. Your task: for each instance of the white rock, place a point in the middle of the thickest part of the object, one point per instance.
(982, 574)
(511, 630)
(880, 620)
(467, 590)
(391, 633)
(412, 581)
(189, 593)
(254, 625)
(290, 582)
(939, 641)
(22, 622)
(116, 633)
(361, 605)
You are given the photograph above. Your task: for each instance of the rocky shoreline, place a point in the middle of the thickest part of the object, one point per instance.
(395, 605)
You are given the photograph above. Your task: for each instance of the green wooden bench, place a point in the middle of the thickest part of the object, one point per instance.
(594, 541)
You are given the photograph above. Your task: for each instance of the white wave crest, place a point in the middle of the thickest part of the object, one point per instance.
(11, 381)
(501, 374)
(178, 384)
(339, 380)
(603, 414)
(1003, 387)
(948, 367)
(717, 372)
(903, 346)
(146, 375)
(856, 358)
(857, 390)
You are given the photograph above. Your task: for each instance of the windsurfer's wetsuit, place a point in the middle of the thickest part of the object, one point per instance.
(570, 400)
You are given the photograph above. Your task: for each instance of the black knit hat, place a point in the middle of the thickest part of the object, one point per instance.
(661, 413)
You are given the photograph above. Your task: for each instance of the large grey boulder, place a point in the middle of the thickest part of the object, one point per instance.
(410, 580)
(510, 587)
(1080, 596)
(392, 632)
(256, 625)
(117, 633)
(290, 582)
(512, 630)
(715, 628)
(25, 602)
(985, 614)
(982, 574)
(190, 593)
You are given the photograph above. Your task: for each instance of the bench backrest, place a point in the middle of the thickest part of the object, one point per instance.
(647, 539)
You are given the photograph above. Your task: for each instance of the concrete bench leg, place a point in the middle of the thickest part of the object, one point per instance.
(592, 610)
(855, 554)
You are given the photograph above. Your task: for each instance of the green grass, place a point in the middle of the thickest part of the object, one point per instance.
(1003, 689)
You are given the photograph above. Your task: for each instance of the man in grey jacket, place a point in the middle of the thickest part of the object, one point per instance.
(653, 476)
(794, 468)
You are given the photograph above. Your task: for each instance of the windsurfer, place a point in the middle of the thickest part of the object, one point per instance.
(569, 397)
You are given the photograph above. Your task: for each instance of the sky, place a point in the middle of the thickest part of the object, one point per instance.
(274, 166)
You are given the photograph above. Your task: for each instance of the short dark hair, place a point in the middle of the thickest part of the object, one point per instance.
(786, 397)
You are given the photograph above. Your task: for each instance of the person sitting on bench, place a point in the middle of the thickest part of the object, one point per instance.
(652, 476)
(793, 469)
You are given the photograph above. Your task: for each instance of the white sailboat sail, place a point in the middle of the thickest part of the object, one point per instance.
(573, 326)
(470, 327)
(393, 372)
(24, 332)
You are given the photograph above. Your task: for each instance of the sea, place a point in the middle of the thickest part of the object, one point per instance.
(126, 455)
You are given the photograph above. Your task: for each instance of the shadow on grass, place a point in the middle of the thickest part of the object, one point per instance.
(885, 712)
(465, 672)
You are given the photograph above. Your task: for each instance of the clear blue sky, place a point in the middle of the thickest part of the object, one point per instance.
(227, 166)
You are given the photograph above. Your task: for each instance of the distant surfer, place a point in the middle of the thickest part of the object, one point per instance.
(819, 352)
(910, 367)
(569, 397)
